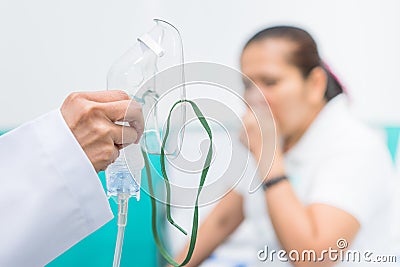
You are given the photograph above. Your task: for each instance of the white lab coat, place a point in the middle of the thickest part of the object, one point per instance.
(50, 195)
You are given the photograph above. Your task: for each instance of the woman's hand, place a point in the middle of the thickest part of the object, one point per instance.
(259, 131)
(261, 136)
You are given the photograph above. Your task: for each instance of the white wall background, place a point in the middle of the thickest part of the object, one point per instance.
(49, 48)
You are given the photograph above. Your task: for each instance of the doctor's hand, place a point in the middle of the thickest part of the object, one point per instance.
(91, 117)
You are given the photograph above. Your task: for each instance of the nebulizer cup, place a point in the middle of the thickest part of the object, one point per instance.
(135, 73)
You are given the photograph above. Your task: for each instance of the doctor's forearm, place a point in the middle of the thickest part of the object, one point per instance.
(52, 196)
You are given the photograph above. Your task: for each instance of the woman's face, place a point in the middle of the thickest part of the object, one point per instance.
(267, 63)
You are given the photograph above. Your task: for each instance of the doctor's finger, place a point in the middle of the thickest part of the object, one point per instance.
(105, 96)
(109, 156)
(123, 135)
(115, 154)
(127, 111)
(124, 110)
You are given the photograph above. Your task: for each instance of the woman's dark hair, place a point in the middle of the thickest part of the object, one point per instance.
(305, 56)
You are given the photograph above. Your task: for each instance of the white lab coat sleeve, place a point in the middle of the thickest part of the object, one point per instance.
(50, 195)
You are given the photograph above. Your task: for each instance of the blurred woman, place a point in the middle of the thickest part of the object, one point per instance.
(329, 187)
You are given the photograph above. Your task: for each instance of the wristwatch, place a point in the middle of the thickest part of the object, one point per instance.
(273, 181)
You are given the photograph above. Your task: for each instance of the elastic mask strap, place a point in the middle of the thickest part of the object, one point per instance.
(204, 172)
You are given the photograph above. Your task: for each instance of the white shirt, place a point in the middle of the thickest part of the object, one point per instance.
(342, 163)
(50, 195)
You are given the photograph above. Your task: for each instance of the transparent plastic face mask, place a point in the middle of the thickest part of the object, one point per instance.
(134, 73)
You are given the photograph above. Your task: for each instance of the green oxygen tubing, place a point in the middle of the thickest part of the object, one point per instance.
(204, 172)
(129, 187)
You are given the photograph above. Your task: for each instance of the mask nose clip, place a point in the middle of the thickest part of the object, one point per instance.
(149, 42)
